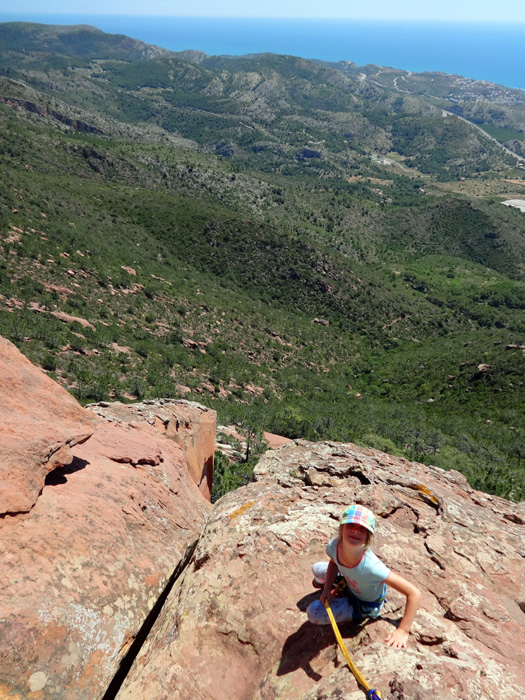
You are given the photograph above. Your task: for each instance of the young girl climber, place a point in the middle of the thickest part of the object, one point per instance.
(366, 575)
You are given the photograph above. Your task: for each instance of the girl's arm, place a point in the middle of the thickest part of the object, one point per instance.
(331, 574)
(399, 636)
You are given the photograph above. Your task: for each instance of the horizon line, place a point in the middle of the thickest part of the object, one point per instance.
(267, 17)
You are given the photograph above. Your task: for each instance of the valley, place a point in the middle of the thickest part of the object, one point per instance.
(302, 249)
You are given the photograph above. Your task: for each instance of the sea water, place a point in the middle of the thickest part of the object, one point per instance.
(482, 51)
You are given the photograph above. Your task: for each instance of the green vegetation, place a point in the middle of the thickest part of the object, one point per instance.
(229, 231)
(502, 134)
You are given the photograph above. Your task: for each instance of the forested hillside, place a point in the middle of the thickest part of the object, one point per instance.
(303, 250)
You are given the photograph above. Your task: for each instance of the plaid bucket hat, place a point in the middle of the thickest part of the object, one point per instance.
(360, 516)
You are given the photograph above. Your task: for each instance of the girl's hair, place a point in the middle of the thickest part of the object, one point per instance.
(369, 536)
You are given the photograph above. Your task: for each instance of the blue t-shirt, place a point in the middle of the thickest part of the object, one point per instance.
(366, 580)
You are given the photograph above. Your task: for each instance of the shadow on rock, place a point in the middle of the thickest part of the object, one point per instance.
(306, 600)
(304, 645)
(58, 475)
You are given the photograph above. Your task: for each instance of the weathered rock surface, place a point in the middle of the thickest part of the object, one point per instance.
(189, 424)
(30, 444)
(234, 625)
(83, 568)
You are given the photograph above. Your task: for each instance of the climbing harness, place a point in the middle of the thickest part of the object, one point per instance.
(340, 586)
(371, 694)
(339, 589)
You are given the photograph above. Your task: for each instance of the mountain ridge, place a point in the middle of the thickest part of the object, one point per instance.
(74, 40)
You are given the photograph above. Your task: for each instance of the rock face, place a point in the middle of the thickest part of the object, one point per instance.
(83, 568)
(30, 444)
(234, 625)
(189, 424)
(98, 517)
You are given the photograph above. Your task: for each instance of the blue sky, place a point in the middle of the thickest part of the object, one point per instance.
(454, 10)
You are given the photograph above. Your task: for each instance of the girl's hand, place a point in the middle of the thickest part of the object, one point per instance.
(326, 596)
(398, 639)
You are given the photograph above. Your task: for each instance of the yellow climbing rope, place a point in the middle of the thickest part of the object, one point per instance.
(371, 693)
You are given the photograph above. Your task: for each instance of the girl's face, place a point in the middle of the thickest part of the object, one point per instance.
(354, 535)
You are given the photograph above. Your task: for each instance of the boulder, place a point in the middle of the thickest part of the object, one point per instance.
(39, 423)
(189, 424)
(83, 569)
(234, 625)
(275, 441)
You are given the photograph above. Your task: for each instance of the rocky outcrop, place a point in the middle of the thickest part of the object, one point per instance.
(32, 445)
(189, 424)
(234, 625)
(101, 518)
(76, 124)
(83, 568)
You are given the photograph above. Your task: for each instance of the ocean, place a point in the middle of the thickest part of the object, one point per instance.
(482, 51)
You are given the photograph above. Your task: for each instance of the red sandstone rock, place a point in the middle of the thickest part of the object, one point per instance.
(84, 567)
(189, 424)
(72, 319)
(39, 422)
(276, 441)
(62, 316)
(234, 625)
